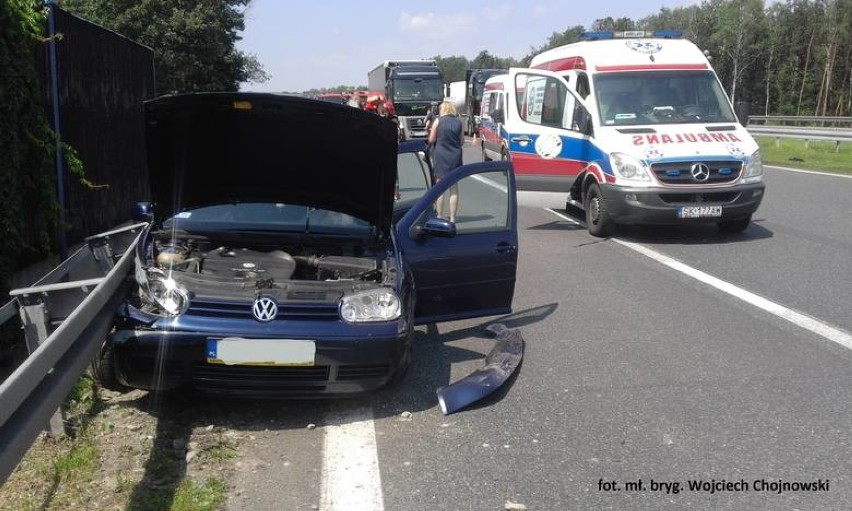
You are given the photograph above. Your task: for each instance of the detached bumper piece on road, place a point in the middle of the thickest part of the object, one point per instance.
(500, 363)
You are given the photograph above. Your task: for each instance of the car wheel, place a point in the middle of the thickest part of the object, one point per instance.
(103, 369)
(597, 217)
(484, 155)
(734, 226)
(504, 155)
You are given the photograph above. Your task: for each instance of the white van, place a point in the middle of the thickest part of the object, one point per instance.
(634, 126)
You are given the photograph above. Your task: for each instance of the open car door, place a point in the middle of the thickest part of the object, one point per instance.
(467, 268)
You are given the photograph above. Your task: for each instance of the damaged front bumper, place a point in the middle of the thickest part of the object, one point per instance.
(500, 364)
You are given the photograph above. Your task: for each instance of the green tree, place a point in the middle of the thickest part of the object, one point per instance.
(739, 36)
(194, 41)
(556, 39)
(27, 176)
(613, 25)
(452, 68)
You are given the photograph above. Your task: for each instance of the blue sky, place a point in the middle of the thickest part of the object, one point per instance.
(322, 43)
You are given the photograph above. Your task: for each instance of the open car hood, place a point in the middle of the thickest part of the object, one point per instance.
(220, 148)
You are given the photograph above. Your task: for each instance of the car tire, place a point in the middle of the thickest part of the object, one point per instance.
(598, 220)
(735, 226)
(103, 369)
(504, 155)
(484, 156)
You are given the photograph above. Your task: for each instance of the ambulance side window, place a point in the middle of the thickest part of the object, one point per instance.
(498, 107)
(486, 105)
(547, 102)
(583, 88)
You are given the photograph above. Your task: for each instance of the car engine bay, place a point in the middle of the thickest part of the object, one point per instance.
(264, 266)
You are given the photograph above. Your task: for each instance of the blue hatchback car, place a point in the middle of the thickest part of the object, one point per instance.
(292, 247)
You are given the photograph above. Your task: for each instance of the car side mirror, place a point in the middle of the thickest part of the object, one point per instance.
(498, 116)
(435, 227)
(584, 124)
(742, 110)
(142, 212)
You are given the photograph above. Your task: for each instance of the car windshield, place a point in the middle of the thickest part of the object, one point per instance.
(661, 97)
(258, 216)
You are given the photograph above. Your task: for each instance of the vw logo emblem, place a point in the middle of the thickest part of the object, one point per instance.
(700, 172)
(264, 309)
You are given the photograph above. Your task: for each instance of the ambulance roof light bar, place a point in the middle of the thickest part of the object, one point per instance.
(631, 34)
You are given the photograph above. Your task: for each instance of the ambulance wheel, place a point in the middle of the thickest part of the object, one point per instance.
(597, 217)
(484, 155)
(103, 369)
(734, 226)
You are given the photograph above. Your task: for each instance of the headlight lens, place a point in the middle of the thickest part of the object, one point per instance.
(372, 305)
(628, 167)
(161, 291)
(754, 167)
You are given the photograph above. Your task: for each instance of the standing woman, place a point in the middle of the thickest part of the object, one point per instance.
(447, 139)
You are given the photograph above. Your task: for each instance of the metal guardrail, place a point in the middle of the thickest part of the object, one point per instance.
(836, 135)
(65, 323)
(798, 120)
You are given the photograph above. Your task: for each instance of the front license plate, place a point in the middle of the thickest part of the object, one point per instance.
(261, 352)
(699, 211)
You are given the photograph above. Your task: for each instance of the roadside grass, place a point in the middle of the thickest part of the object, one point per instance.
(99, 464)
(815, 155)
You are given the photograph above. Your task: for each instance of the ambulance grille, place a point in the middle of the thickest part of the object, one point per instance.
(680, 173)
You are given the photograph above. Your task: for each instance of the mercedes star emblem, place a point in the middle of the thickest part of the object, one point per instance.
(700, 172)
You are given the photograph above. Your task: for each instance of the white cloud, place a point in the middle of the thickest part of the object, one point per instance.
(497, 12)
(545, 10)
(436, 25)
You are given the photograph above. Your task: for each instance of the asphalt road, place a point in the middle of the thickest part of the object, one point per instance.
(633, 372)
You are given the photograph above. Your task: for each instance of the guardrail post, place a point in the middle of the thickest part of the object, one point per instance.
(102, 252)
(36, 320)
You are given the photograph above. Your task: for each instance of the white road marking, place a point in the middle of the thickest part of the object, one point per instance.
(351, 480)
(829, 174)
(489, 182)
(797, 318)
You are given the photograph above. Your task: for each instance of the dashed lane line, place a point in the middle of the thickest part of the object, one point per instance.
(350, 479)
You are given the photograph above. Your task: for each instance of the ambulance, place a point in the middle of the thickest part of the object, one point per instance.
(634, 126)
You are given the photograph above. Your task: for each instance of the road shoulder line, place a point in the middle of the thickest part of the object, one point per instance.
(797, 318)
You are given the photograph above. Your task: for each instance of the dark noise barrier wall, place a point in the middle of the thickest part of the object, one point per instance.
(103, 78)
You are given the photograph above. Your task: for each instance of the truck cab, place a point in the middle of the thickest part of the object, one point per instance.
(635, 127)
(411, 85)
(475, 80)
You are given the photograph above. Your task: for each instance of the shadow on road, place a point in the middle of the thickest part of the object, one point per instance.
(699, 234)
(180, 413)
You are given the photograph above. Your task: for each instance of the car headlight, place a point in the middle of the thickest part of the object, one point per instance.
(754, 168)
(372, 305)
(161, 291)
(628, 167)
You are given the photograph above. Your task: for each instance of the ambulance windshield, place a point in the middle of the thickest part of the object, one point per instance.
(661, 97)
